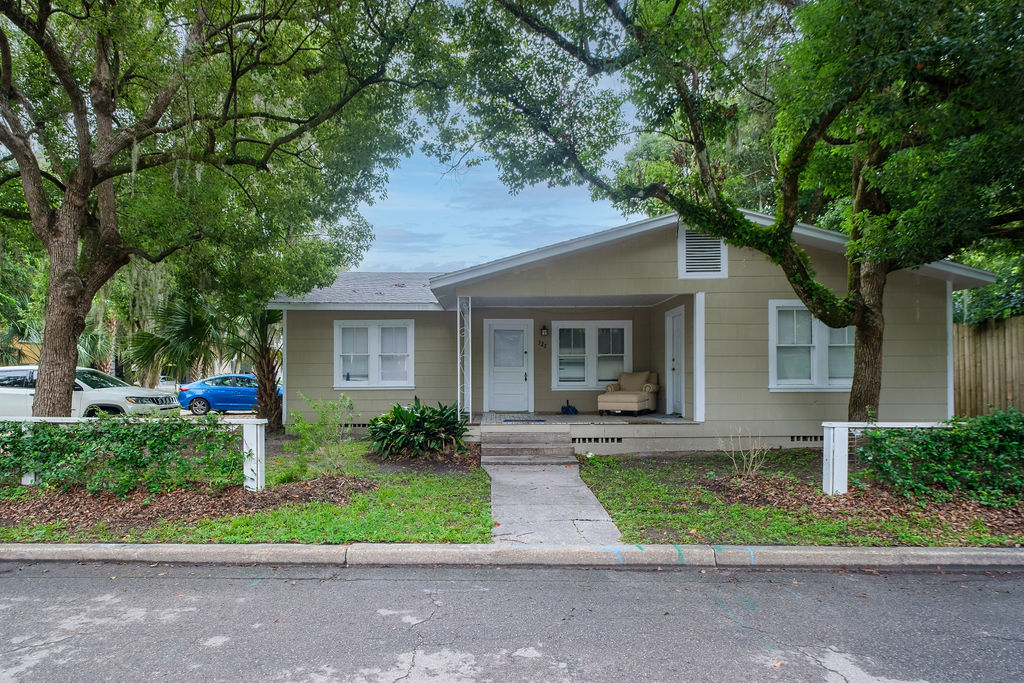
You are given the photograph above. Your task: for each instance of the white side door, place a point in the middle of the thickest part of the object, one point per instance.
(508, 365)
(674, 361)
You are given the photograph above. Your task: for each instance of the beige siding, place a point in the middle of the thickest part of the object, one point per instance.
(310, 367)
(736, 340)
(736, 334)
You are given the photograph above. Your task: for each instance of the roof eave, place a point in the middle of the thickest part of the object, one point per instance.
(341, 306)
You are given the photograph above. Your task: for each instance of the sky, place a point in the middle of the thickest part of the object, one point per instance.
(433, 221)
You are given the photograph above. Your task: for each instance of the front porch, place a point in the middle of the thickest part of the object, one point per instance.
(520, 361)
(593, 433)
(512, 420)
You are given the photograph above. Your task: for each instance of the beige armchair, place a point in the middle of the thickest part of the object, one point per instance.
(635, 391)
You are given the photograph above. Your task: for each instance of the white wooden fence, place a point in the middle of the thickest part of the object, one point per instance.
(836, 449)
(253, 445)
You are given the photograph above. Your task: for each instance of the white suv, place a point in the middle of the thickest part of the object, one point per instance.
(95, 392)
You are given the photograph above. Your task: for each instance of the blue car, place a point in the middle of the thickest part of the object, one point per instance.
(220, 393)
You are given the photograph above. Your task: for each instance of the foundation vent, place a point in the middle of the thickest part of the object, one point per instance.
(597, 439)
(806, 438)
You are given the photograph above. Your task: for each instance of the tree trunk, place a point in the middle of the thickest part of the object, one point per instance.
(867, 352)
(268, 403)
(67, 304)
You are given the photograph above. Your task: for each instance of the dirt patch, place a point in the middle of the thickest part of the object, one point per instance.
(78, 509)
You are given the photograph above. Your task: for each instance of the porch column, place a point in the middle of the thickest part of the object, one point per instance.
(698, 357)
(464, 351)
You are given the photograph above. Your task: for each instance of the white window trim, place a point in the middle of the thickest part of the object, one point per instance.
(819, 354)
(373, 345)
(590, 367)
(681, 259)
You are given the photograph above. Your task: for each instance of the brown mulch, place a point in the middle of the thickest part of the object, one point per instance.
(437, 462)
(873, 500)
(79, 509)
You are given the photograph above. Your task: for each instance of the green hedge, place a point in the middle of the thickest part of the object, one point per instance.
(123, 453)
(979, 457)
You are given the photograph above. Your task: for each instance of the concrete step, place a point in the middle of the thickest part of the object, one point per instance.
(528, 460)
(525, 437)
(526, 449)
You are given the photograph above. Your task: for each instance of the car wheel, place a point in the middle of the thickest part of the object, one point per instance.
(199, 406)
(96, 411)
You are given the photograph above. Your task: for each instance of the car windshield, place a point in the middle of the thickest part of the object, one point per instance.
(94, 379)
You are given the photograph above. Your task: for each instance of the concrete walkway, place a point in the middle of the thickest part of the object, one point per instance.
(546, 505)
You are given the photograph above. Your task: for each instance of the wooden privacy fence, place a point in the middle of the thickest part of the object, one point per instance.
(988, 362)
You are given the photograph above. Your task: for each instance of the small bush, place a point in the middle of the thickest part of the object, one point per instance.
(333, 423)
(418, 430)
(980, 457)
(122, 453)
(747, 454)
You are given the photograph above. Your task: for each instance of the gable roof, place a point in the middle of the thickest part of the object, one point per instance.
(425, 291)
(368, 291)
(961, 276)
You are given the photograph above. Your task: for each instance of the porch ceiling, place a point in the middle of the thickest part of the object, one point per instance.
(604, 301)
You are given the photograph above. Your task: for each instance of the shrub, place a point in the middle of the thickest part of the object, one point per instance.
(981, 457)
(333, 423)
(746, 453)
(418, 430)
(122, 453)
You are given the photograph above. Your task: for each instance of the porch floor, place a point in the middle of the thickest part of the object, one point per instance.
(512, 419)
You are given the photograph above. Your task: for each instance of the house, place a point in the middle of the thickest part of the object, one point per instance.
(514, 340)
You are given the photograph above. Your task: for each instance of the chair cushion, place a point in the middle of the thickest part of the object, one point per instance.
(632, 381)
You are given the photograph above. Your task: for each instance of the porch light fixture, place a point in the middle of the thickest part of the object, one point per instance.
(544, 330)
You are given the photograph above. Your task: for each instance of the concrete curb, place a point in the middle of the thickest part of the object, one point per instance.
(415, 554)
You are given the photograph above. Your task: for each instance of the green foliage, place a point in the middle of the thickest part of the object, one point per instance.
(122, 453)
(979, 457)
(1002, 299)
(418, 430)
(333, 423)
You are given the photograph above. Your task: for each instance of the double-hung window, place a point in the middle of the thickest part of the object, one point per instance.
(373, 353)
(590, 354)
(804, 353)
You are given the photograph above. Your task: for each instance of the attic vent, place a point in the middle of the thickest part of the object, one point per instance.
(701, 256)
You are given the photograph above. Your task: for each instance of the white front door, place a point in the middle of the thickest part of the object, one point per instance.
(508, 365)
(674, 361)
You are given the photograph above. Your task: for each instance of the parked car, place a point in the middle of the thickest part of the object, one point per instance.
(219, 393)
(95, 392)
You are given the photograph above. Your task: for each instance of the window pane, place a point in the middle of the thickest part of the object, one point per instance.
(609, 367)
(13, 378)
(572, 340)
(393, 340)
(394, 368)
(572, 369)
(354, 340)
(508, 349)
(611, 340)
(355, 367)
(794, 326)
(840, 362)
(794, 363)
(843, 335)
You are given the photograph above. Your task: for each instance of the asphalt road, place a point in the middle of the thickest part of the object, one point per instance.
(137, 622)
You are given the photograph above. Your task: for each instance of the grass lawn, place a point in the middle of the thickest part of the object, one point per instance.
(409, 503)
(698, 500)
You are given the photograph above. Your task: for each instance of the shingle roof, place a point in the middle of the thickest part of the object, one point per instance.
(370, 288)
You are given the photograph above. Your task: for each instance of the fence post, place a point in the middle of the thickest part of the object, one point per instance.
(253, 445)
(27, 478)
(835, 456)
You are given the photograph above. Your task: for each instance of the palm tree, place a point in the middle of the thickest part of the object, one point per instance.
(192, 333)
(256, 336)
(185, 335)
